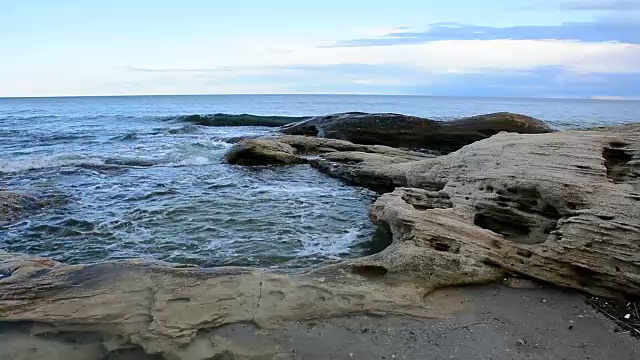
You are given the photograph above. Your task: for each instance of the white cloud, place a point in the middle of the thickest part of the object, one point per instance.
(213, 69)
(472, 56)
(450, 56)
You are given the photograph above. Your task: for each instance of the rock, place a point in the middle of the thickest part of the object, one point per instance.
(414, 132)
(237, 120)
(559, 207)
(263, 152)
(287, 150)
(13, 206)
(171, 311)
(563, 208)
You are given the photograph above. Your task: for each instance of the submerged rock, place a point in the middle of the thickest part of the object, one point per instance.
(13, 206)
(414, 132)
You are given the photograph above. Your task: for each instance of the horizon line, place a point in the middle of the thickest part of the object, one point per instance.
(592, 98)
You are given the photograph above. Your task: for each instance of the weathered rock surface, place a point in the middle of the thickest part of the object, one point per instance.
(489, 322)
(287, 150)
(263, 152)
(414, 132)
(13, 206)
(168, 311)
(561, 207)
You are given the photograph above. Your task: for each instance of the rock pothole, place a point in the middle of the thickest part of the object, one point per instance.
(426, 200)
(616, 160)
(369, 271)
(518, 213)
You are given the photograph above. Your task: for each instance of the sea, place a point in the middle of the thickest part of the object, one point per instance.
(139, 177)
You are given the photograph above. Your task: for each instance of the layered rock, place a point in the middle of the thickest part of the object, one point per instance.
(414, 132)
(561, 207)
(287, 150)
(169, 311)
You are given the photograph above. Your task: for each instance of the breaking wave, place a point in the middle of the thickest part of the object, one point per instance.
(236, 120)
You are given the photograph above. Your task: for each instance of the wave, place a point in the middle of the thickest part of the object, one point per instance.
(188, 129)
(8, 167)
(132, 162)
(109, 165)
(126, 137)
(237, 120)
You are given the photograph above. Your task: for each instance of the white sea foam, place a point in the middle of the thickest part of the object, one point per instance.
(331, 247)
(32, 163)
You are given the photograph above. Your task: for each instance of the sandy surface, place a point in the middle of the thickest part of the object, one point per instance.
(490, 322)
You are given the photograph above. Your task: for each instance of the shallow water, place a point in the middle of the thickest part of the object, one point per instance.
(130, 177)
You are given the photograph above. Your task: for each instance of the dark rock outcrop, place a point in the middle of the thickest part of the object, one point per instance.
(237, 120)
(414, 132)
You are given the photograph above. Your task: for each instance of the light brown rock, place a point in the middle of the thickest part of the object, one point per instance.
(562, 207)
(262, 152)
(165, 310)
(289, 150)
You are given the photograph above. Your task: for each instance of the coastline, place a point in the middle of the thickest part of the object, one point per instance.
(452, 218)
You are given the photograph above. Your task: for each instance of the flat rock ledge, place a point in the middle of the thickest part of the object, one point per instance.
(167, 311)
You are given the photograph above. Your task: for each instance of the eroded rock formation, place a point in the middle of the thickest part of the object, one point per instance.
(561, 207)
(414, 132)
(169, 311)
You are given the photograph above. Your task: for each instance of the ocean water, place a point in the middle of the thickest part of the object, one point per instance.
(135, 177)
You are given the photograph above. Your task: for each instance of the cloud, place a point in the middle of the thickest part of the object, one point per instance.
(452, 56)
(619, 28)
(447, 59)
(609, 5)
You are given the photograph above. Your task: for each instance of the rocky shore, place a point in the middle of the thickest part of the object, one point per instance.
(485, 199)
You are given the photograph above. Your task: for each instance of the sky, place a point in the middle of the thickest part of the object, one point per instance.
(526, 48)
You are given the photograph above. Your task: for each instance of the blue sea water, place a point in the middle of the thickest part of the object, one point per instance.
(129, 177)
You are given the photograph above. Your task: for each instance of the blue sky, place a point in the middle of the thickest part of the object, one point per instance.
(530, 48)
